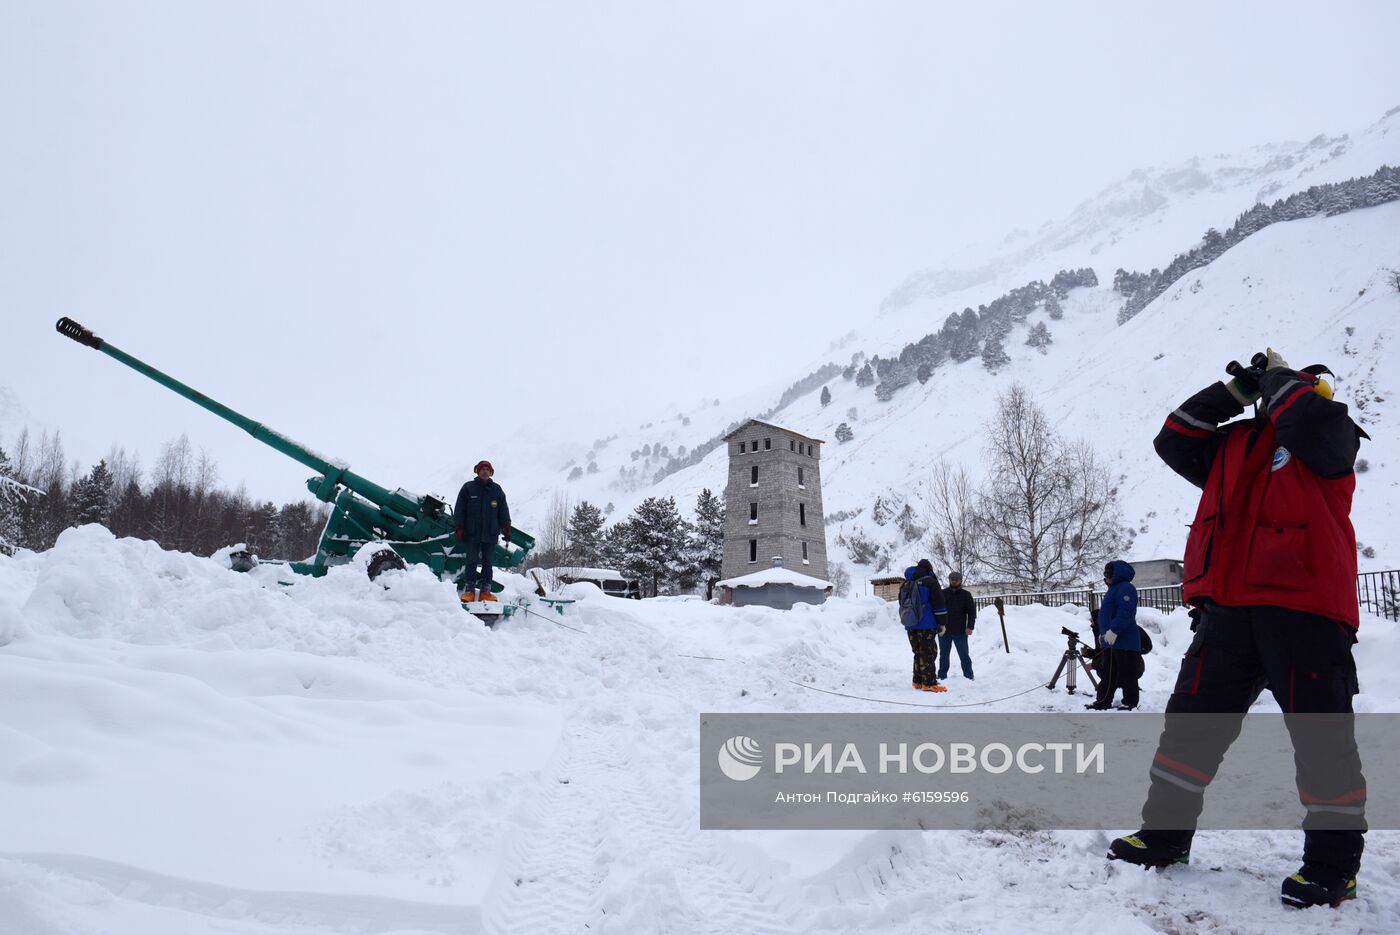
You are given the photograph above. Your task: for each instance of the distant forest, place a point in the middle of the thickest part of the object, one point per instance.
(179, 503)
(1326, 200)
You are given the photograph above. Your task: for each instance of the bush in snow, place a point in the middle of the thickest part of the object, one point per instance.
(844, 433)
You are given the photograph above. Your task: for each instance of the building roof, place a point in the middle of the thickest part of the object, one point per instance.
(777, 575)
(770, 425)
(892, 579)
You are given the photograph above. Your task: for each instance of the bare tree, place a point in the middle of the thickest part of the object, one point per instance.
(840, 579)
(552, 544)
(954, 531)
(1048, 509)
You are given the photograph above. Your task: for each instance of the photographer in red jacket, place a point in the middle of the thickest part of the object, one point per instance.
(1270, 567)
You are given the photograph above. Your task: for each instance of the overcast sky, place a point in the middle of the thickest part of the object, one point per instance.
(386, 228)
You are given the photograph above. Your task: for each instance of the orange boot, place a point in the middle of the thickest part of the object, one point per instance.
(487, 596)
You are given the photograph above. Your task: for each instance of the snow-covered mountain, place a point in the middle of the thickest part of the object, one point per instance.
(1320, 290)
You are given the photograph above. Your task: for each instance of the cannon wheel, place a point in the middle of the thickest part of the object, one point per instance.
(242, 561)
(386, 559)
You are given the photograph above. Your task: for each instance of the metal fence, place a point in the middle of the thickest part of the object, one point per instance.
(1377, 592)
(1165, 598)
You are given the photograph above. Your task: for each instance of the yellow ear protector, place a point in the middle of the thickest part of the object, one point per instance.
(1320, 386)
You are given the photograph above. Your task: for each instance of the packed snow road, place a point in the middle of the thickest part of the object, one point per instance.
(184, 750)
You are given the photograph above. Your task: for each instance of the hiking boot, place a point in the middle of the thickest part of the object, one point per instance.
(1097, 707)
(487, 596)
(468, 597)
(919, 686)
(1318, 885)
(1150, 849)
(935, 687)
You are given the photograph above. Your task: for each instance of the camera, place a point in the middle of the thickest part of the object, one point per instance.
(1069, 633)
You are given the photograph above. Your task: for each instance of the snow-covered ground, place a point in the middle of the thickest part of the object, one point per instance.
(184, 750)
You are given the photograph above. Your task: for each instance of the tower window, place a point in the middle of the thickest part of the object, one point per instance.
(753, 512)
(801, 475)
(767, 444)
(802, 514)
(792, 445)
(753, 551)
(753, 476)
(741, 447)
(804, 551)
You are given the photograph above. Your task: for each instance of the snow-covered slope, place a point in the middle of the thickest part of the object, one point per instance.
(188, 751)
(1298, 286)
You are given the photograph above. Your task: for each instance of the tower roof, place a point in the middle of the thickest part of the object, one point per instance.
(776, 428)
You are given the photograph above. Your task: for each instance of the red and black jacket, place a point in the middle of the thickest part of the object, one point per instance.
(1274, 523)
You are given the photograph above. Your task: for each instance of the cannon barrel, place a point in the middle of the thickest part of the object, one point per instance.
(419, 528)
(332, 472)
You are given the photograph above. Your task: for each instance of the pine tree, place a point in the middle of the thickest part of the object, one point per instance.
(13, 495)
(655, 542)
(826, 396)
(844, 433)
(585, 533)
(866, 376)
(994, 355)
(924, 372)
(92, 497)
(1039, 338)
(1053, 309)
(709, 539)
(961, 336)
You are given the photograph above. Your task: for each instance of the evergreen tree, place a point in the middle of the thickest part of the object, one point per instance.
(709, 539)
(962, 339)
(866, 376)
(924, 372)
(655, 543)
(826, 396)
(1052, 307)
(1039, 338)
(14, 494)
(92, 497)
(585, 533)
(844, 433)
(994, 355)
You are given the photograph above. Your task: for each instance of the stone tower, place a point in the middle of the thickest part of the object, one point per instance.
(773, 501)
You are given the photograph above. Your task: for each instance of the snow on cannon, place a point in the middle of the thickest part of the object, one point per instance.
(412, 528)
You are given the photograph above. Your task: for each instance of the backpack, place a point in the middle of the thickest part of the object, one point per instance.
(910, 610)
(1146, 640)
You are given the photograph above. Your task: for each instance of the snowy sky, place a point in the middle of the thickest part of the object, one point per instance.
(391, 230)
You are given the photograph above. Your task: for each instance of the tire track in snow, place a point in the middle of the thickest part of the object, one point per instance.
(554, 873)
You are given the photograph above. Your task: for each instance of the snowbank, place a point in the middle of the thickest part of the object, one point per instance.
(184, 749)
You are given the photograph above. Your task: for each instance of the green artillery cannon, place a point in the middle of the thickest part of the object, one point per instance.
(413, 528)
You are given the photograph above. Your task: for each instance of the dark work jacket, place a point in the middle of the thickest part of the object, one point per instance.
(1274, 522)
(481, 510)
(962, 609)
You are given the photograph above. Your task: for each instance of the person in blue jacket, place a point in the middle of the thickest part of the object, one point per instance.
(1120, 661)
(924, 617)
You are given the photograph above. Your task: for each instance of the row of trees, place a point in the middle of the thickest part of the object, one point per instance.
(1329, 199)
(1046, 515)
(980, 332)
(655, 544)
(179, 504)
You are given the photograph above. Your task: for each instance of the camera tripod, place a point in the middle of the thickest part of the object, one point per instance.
(1066, 667)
